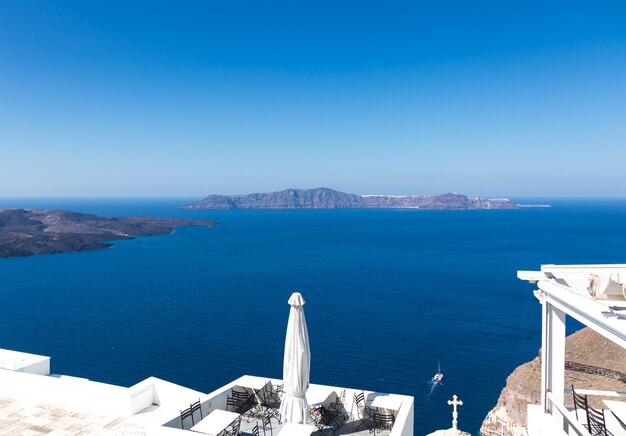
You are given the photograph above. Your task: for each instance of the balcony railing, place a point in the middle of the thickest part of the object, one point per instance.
(567, 417)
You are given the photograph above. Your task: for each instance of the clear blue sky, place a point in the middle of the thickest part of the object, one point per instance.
(500, 98)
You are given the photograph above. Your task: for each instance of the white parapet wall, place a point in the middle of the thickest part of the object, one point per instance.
(75, 393)
(24, 362)
(404, 420)
(89, 396)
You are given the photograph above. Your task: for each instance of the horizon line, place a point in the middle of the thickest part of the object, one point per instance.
(176, 197)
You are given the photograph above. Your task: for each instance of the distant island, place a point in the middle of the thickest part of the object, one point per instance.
(24, 232)
(325, 198)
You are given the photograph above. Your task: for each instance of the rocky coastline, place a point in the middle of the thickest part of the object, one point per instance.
(26, 232)
(591, 362)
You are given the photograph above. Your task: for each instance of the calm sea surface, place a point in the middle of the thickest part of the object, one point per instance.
(389, 294)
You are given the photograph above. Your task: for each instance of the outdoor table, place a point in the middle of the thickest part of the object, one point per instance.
(618, 408)
(216, 422)
(387, 401)
(291, 429)
(316, 395)
(255, 384)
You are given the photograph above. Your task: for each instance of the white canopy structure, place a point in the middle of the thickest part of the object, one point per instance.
(296, 365)
(595, 295)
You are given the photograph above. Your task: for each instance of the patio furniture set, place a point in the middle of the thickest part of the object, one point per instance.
(261, 400)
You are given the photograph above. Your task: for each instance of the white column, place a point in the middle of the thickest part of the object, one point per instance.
(544, 348)
(553, 354)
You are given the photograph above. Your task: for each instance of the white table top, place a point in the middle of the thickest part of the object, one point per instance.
(618, 408)
(251, 382)
(387, 401)
(215, 422)
(291, 429)
(318, 394)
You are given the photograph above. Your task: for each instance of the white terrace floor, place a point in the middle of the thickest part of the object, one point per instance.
(26, 417)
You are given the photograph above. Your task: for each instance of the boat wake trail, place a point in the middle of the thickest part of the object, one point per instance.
(433, 385)
(436, 380)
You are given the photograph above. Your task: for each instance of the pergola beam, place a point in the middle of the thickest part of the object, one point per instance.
(585, 310)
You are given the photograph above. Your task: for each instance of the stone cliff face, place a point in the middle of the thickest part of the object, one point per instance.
(591, 362)
(324, 198)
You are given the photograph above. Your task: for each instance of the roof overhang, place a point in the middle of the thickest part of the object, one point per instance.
(564, 287)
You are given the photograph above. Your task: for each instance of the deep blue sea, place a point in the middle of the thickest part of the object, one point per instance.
(389, 294)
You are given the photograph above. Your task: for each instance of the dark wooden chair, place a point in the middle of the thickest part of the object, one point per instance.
(382, 421)
(240, 402)
(234, 404)
(594, 418)
(270, 403)
(232, 429)
(235, 427)
(266, 420)
(184, 414)
(196, 407)
(243, 396)
(365, 413)
(597, 424)
(342, 396)
(580, 402)
(255, 430)
(322, 420)
(335, 411)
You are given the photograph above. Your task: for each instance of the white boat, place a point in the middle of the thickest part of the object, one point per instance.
(439, 376)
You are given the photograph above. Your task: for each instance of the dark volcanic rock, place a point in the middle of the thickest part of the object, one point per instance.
(325, 198)
(24, 232)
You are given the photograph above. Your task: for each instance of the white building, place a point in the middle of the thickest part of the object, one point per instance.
(595, 295)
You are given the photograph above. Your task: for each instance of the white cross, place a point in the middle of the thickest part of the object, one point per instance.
(454, 402)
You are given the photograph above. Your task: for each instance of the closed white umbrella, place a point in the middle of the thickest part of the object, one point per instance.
(296, 365)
